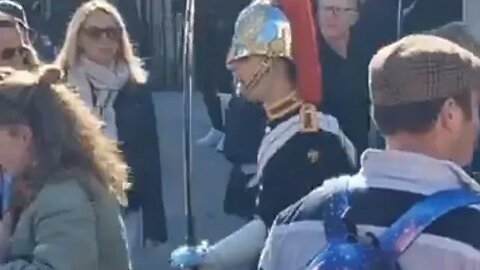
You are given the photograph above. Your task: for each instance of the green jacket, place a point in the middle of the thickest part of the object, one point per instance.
(70, 225)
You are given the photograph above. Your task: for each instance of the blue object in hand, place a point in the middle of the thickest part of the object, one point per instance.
(189, 256)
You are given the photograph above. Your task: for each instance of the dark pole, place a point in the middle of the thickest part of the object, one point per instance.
(188, 84)
(192, 254)
(400, 19)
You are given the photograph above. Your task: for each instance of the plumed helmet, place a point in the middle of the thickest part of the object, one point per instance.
(261, 29)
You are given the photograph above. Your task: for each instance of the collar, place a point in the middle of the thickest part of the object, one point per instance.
(283, 107)
(421, 173)
(328, 52)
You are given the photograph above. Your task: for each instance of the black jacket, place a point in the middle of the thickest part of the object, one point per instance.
(244, 130)
(345, 93)
(138, 138)
(299, 166)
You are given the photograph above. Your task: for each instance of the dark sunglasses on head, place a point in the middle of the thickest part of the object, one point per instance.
(95, 33)
(7, 24)
(32, 34)
(9, 53)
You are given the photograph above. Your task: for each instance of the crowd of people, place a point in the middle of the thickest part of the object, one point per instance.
(78, 141)
(421, 92)
(346, 43)
(79, 147)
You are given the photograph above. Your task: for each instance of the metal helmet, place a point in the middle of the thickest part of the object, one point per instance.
(270, 28)
(261, 29)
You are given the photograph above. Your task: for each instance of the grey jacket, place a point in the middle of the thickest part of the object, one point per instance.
(389, 183)
(72, 224)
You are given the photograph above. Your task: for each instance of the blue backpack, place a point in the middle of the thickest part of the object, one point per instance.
(344, 251)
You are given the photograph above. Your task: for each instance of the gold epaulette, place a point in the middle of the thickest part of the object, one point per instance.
(308, 118)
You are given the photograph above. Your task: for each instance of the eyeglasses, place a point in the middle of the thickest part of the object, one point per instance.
(337, 10)
(9, 53)
(32, 34)
(95, 33)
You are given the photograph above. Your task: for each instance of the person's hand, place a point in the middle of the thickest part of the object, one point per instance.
(198, 257)
(5, 236)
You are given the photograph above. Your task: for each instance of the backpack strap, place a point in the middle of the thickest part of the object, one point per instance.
(398, 238)
(336, 208)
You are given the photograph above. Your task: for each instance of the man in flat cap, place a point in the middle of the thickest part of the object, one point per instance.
(424, 91)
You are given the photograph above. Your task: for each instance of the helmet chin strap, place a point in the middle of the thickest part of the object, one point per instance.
(264, 67)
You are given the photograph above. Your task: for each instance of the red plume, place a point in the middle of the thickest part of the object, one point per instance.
(305, 48)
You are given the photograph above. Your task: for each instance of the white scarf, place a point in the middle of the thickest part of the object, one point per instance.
(100, 84)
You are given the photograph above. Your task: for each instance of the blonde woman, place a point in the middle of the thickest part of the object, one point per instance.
(99, 61)
(73, 178)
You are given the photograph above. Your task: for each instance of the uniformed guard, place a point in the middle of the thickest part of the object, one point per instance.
(299, 141)
(302, 146)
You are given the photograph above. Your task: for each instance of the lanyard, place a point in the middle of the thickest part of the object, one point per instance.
(6, 190)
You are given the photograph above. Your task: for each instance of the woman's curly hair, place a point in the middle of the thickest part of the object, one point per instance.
(65, 132)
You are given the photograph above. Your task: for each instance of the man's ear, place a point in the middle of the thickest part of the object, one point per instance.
(450, 115)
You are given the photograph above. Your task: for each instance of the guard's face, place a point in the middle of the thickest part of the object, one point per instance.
(99, 37)
(250, 75)
(335, 17)
(12, 49)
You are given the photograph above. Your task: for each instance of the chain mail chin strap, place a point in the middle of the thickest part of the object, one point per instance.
(264, 67)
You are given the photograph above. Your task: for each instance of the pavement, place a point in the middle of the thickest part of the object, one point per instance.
(210, 175)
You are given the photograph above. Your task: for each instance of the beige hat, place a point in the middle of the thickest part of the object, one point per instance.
(421, 68)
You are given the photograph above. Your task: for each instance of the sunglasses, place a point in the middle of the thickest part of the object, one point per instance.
(9, 53)
(7, 24)
(95, 33)
(337, 10)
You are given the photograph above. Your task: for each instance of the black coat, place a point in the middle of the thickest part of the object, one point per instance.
(345, 94)
(138, 138)
(244, 129)
(292, 172)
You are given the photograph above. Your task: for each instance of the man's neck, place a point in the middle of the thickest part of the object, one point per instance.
(421, 144)
(281, 100)
(279, 91)
(339, 44)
